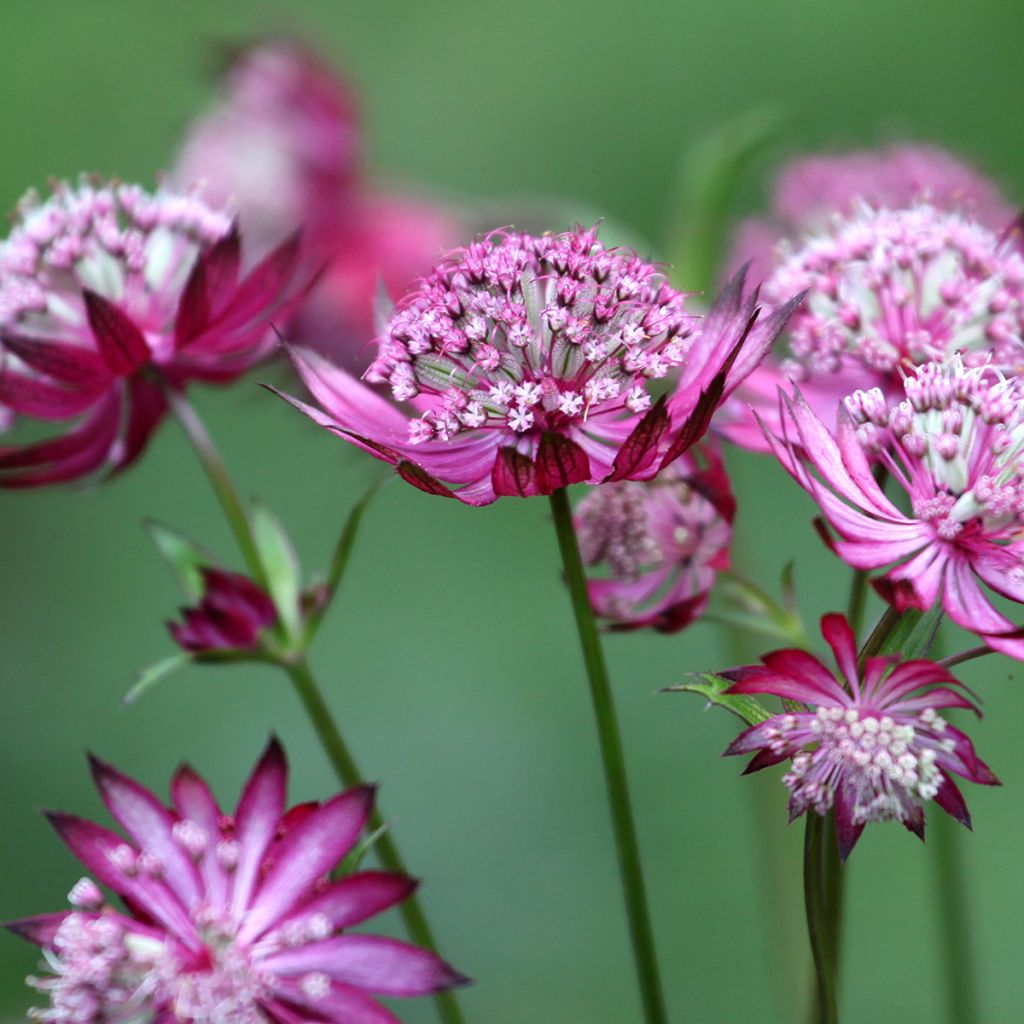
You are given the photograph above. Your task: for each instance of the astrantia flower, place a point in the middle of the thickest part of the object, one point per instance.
(871, 743)
(528, 363)
(955, 446)
(232, 614)
(662, 541)
(226, 919)
(812, 190)
(887, 290)
(282, 146)
(109, 293)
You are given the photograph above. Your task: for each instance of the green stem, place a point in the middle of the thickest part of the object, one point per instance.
(858, 600)
(610, 743)
(220, 480)
(817, 925)
(834, 879)
(305, 685)
(387, 851)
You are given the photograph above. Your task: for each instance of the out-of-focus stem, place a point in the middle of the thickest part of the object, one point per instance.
(825, 1011)
(610, 742)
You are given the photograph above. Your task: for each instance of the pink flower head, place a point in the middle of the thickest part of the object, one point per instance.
(280, 147)
(810, 191)
(887, 290)
(107, 293)
(528, 363)
(663, 542)
(232, 615)
(954, 446)
(870, 744)
(226, 919)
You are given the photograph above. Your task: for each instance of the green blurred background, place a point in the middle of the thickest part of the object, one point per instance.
(450, 656)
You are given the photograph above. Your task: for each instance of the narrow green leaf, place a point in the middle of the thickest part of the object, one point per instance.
(713, 688)
(711, 174)
(149, 677)
(281, 566)
(353, 861)
(913, 634)
(184, 556)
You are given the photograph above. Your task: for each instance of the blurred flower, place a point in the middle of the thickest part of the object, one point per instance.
(812, 190)
(953, 446)
(886, 290)
(528, 363)
(227, 919)
(108, 294)
(663, 541)
(232, 614)
(282, 147)
(870, 744)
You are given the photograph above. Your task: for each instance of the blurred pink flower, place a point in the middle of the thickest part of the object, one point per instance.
(663, 541)
(282, 147)
(232, 614)
(227, 919)
(812, 190)
(871, 743)
(108, 294)
(953, 446)
(527, 364)
(886, 290)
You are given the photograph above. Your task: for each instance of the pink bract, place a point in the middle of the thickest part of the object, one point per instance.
(870, 744)
(523, 364)
(226, 919)
(663, 541)
(110, 295)
(886, 290)
(953, 447)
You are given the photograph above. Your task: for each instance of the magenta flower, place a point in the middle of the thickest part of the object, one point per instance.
(871, 743)
(663, 542)
(953, 446)
(232, 615)
(527, 363)
(107, 295)
(812, 190)
(282, 146)
(226, 919)
(887, 290)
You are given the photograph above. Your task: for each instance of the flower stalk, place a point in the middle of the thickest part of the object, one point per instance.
(297, 669)
(610, 742)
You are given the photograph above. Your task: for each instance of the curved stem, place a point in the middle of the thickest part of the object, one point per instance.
(610, 742)
(348, 773)
(817, 929)
(302, 679)
(220, 480)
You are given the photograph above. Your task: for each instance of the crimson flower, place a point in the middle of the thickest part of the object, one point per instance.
(109, 295)
(523, 364)
(232, 614)
(226, 919)
(663, 542)
(870, 743)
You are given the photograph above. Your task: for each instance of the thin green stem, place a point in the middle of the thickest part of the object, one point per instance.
(858, 600)
(610, 742)
(298, 672)
(387, 852)
(825, 1011)
(217, 473)
(834, 881)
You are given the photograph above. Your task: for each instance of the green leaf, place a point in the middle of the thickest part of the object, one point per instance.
(149, 677)
(713, 688)
(711, 174)
(913, 633)
(184, 556)
(353, 860)
(281, 566)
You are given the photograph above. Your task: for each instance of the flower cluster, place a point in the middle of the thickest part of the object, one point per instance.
(954, 446)
(871, 743)
(109, 295)
(529, 363)
(662, 541)
(227, 919)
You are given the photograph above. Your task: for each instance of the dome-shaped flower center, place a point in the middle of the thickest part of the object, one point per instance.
(889, 288)
(131, 247)
(524, 334)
